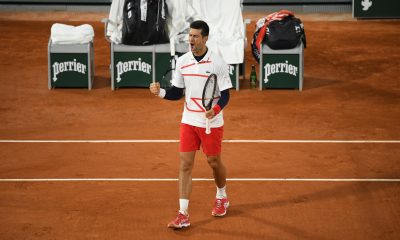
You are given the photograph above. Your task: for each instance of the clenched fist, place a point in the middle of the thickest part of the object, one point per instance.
(210, 114)
(155, 88)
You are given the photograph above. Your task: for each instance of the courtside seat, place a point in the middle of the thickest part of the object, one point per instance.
(227, 37)
(282, 68)
(70, 65)
(138, 66)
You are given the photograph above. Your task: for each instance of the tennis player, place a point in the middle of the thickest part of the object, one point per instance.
(192, 71)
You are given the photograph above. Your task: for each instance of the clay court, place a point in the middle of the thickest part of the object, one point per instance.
(322, 163)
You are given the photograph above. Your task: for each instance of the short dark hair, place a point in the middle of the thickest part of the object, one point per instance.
(203, 26)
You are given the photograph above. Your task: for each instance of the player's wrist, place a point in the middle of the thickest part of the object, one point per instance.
(162, 93)
(217, 109)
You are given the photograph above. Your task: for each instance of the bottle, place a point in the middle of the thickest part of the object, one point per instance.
(253, 77)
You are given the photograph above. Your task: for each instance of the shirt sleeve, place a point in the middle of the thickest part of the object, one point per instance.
(224, 80)
(173, 93)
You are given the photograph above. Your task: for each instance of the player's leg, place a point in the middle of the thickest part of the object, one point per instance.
(212, 144)
(189, 143)
(221, 203)
(185, 188)
(185, 177)
(219, 170)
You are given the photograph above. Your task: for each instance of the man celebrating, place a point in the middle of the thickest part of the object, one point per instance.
(192, 71)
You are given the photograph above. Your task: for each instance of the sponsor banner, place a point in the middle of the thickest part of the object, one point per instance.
(376, 8)
(69, 70)
(132, 69)
(280, 71)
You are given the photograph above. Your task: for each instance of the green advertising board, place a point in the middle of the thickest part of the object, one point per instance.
(69, 70)
(281, 68)
(281, 71)
(137, 66)
(131, 66)
(163, 64)
(376, 8)
(133, 69)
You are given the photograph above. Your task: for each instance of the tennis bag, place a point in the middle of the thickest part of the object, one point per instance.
(260, 33)
(144, 22)
(285, 33)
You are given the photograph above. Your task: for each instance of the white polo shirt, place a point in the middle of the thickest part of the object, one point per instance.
(192, 76)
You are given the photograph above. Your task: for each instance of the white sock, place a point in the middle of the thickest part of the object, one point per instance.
(183, 206)
(221, 192)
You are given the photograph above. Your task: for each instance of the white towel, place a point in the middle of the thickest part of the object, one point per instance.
(67, 34)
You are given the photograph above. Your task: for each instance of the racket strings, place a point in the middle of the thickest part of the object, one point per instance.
(209, 92)
(166, 81)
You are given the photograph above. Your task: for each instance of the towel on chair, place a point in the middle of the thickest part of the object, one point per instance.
(67, 34)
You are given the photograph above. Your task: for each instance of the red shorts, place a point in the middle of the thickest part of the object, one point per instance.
(191, 137)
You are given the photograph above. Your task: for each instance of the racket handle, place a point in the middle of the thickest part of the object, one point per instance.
(208, 129)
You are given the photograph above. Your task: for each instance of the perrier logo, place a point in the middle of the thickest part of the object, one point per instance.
(137, 65)
(274, 68)
(68, 66)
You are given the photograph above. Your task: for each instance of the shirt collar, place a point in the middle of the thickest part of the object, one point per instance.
(205, 58)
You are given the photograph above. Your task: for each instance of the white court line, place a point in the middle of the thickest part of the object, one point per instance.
(175, 141)
(89, 141)
(200, 179)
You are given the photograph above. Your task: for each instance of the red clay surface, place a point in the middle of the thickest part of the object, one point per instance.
(351, 92)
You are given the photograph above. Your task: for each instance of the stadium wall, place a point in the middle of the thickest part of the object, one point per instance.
(306, 6)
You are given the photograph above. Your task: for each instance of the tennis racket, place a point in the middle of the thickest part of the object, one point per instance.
(208, 97)
(166, 79)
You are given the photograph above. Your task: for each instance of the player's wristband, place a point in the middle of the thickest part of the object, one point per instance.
(162, 93)
(217, 109)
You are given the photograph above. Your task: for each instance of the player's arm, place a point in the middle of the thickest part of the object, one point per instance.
(222, 102)
(172, 93)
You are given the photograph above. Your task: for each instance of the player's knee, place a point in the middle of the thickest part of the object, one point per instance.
(186, 165)
(213, 161)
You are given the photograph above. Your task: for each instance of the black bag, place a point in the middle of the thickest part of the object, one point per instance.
(144, 22)
(285, 34)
